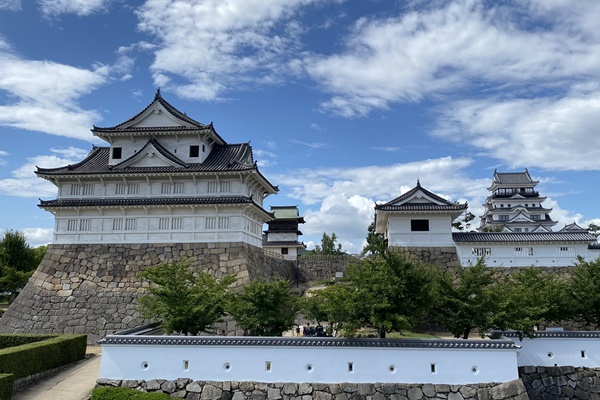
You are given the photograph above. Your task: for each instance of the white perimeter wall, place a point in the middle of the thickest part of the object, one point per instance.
(548, 352)
(307, 364)
(525, 254)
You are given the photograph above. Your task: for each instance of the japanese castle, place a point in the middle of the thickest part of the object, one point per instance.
(520, 233)
(164, 178)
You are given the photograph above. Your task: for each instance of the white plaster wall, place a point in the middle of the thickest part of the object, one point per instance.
(439, 234)
(308, 364)
(178, 145)
(286, 236)
(545, 255)
(547, 352)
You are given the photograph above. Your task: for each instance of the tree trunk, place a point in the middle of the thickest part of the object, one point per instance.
(466, 333)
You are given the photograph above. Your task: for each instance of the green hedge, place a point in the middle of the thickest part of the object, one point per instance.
(32, 358)
(13, 340)
(6, 386)
(121, 393)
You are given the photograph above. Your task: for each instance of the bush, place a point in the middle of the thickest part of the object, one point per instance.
(6, 385)
(121, 393)
(14, 340)
(32, 358)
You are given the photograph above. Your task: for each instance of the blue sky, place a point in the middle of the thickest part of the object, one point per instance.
(346, 103)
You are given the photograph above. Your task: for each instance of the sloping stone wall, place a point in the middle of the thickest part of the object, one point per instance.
(314, 268)
(93, 288)
(184, 388)
(547, 383)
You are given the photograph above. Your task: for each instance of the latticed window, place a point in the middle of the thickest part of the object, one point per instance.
(177, 223)
(117, 224)
(179, 187)
(163, 223)
(72, 224)
(481, 251)
(130, 224)
(210, 223)
(85, 225)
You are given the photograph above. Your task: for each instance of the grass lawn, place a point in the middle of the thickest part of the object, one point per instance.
(410, 335)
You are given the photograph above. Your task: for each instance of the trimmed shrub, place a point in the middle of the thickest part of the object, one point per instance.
(13, 340)
(6, 386)
(32, 358)
(121, 393)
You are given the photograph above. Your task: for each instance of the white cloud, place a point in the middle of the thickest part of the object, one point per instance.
(24, 182)
(38, 236)
(445, 176)
(78, 7)
(333, 216)
(10, 5)
(217, 46)
(3, 154)
(556, 134)
(312, 145)
(464, 45)
(44, 95)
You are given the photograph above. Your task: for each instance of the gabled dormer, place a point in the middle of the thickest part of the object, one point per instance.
(186, 139)
(153, 154)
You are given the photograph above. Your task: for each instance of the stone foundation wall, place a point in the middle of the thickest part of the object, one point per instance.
(93, 288)
(442, 256)
(549, 383)
(313, 268)
(184, 388)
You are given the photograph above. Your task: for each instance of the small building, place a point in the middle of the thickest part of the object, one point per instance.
(418, 218)
(515, 205)
(164, 178)
(281, 237)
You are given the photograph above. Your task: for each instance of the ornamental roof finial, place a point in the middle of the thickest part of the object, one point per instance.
(418, 183)
(157, 95)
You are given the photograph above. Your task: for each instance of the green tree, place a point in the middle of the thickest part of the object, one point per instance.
(464, 221)
(468, 300)
(329, 245)
(528, 297)
(387, 292)
(584, 289)
(17, 261)
(594, 229)
(265, 308)
(376, 243)
(187, 300)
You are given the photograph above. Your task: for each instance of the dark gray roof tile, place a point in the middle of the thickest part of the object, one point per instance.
(522, 237)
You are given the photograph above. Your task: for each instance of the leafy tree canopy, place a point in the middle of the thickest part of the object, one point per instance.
(468, 300)
(328, 245)
(17, 261)
(584, 287)
(186, 299)
(464, 221)
(375, 242)
(265, 308)
(387, 292)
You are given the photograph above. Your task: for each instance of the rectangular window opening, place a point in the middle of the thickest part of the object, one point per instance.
(419, 225)
(350, 367)
(194, 150)
(117, 153)
(268, 366)
(433, 368)
(186, 365)
(583, 354)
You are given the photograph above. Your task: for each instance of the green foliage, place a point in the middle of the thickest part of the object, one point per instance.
(584, 287)
(528, 297)
(313, 308)
(468, 300)
(17, 261)
(121, 393)
(13, 340)
(265, 308)
(6, 386)
(493, 228)
(594, 229)
(464, 221)
(387, 292)
(328, 245)
(32, 358)
(185, 299)
(375, 242)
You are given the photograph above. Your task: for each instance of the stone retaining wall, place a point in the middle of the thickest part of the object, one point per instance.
(441, 256)
(93, 288)
(184, 388)
(549, 383)
(313, 268)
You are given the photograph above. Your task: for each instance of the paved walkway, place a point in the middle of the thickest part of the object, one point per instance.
(74, 382)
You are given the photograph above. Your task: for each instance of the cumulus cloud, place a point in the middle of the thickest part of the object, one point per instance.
(53, 8)
(10, 5)
(38, 236)
(3, 154)
(24, 182)
(216, 46)
(539, 132)
(44, 95)
(464, 45)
